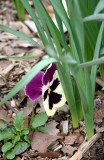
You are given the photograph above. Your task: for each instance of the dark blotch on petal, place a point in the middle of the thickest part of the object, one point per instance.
(45, 94)
(34, 88)
(55, 84)
(48, 76)
(54, 98)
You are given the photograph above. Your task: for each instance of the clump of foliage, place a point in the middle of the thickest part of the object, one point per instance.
(80, 57)
(16, 138)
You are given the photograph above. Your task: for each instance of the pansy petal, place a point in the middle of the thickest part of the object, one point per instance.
(50, 112)
(54, 98)
(53, 101)
(48, 75)
(34, 88)
(55, 84)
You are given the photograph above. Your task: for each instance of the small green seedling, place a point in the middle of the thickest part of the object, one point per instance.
(16, 138)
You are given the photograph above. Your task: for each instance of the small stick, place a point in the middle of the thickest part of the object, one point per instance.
(11, 108)
(84, 147)
(5, 78)
(100, 82)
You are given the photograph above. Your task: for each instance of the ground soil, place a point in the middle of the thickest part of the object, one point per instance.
(11, 71)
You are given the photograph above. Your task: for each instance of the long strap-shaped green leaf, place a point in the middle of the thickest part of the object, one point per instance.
(91, 29)
(62, 14)
(40, 6)
(35, 19)
(68, 90)
(43, 22)
(94, 17)
(76, 26)
(96, 55)
(18, 34)
(18, 57)
(20, 9)
(39, 66)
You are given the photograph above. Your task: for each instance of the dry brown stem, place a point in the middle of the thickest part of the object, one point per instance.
(84, 147)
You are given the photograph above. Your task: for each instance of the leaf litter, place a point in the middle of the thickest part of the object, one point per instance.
(13, 70)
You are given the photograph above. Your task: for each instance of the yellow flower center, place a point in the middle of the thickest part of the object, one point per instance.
(49, 91)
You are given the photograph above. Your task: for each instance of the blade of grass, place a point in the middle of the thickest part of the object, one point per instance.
(39, 66)
(18, 34)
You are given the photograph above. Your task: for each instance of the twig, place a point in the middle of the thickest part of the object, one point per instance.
(84, 147)
(11, 108)
(100, 82)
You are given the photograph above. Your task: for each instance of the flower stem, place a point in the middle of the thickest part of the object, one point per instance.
(32, 116)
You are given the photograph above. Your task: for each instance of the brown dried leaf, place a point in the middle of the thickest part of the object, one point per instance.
(31, 25)
(17, 158)
(21, 27)
(64, 127)
(2, 83)
(28, 109)
(99, 114)
(70, 139)
(69, 149)
(4, 115)
(100, 130)
(26, 122)
(41, 141)
(48, 154)
(51, 128)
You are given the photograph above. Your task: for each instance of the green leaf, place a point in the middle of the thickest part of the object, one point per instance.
(16, 139)
(39, 120)
(102, 52)
(66, 81)
(6, 147)
(41, 129)
(36, 21)
(27, 139)
(94, 17)
(96, 55)
(24, 132)
(69, 59)
(39, 6)
(3, 124)
(99, 7)
(7, 133)
(76, 26)
(18, 121)
(20, 147)
(18, 34)
(39, 66)
(91, 63)
(20, 9)
(18, 57)
(10, 154)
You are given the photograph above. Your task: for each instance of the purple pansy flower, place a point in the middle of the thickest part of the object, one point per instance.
(49, 86)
